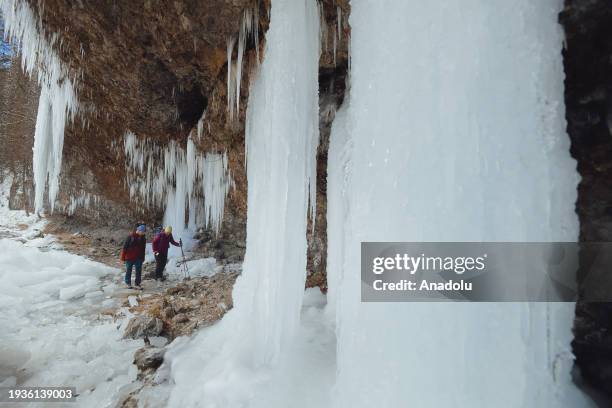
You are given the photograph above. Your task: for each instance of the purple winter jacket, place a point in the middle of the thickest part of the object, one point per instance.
(162, 242)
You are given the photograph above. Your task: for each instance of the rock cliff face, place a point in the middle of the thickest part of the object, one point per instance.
(18, 106)
(158, 69)
(588, 98)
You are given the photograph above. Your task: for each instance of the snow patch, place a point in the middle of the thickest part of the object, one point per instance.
(53, 334)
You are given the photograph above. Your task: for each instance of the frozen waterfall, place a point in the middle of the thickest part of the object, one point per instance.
(223, 366)
(57, 103)
(454, 131)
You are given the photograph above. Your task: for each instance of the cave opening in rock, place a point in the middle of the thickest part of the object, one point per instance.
(190, 104)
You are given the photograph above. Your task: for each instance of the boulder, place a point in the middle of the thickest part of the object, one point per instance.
(143, 326)
(149, 358)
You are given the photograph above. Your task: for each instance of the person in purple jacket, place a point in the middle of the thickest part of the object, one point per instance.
(161, 243)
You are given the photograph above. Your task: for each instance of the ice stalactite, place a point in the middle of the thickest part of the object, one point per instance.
(323, 26)
(459, 136)
(282, 133)
(215, 185)
(335, 47)
(249, 28)
(200, 126)
(83, 200)
(58, 101)
(339, 23)
(191, 186)
(231, 93)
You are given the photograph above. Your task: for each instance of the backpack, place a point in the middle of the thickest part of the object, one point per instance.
(129, 242)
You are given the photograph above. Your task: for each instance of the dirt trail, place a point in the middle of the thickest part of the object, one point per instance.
(182, 305)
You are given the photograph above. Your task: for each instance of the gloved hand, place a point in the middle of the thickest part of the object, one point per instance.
(181, 241)
(156, 254)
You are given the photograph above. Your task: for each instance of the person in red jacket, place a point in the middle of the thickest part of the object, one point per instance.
(133, 253)
(161, 243)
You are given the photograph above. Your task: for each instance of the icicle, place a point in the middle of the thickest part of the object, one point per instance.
(323, 27)
(256, 29)
(216, 184)
(42, 140)
(339, 13)
(246, 24)
(58, 102)
(230, 88)
(200, 126)
(179, 179)
(335, 45)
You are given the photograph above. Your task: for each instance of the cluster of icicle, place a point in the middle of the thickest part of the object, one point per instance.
(82, 200)
(249, 28)
(182, 180)
(58, 102)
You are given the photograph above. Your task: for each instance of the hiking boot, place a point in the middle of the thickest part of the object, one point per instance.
(138, 287)
(128, 285)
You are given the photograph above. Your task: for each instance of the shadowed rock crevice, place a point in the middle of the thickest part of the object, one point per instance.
(588, 100)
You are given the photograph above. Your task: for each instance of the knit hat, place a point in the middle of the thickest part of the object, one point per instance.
(168, 229)
(140, 229)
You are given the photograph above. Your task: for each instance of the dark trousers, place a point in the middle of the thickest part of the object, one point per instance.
(160, 263)
(128, 271)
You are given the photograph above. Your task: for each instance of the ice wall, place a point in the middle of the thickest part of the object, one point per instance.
(455, 127)
(190, 185)
(338, 168)
(58, 101)
(223, 366)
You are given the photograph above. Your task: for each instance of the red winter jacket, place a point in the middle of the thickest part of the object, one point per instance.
(162, 242)
(134, 247)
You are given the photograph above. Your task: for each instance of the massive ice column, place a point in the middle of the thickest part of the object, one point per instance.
(455, 127)
(282, 135)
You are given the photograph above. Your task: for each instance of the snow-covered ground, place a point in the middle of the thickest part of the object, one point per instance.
(52, 330)
(57, 327)
(303, 377)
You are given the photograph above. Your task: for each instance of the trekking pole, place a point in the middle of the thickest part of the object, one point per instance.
(185, 267)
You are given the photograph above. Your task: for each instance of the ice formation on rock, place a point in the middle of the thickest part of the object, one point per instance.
(224, 365)
(282, 135)
(337, 205)
(249, 28)
(58, 101)
(82, 200)
(190, 185)
(452, 132)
